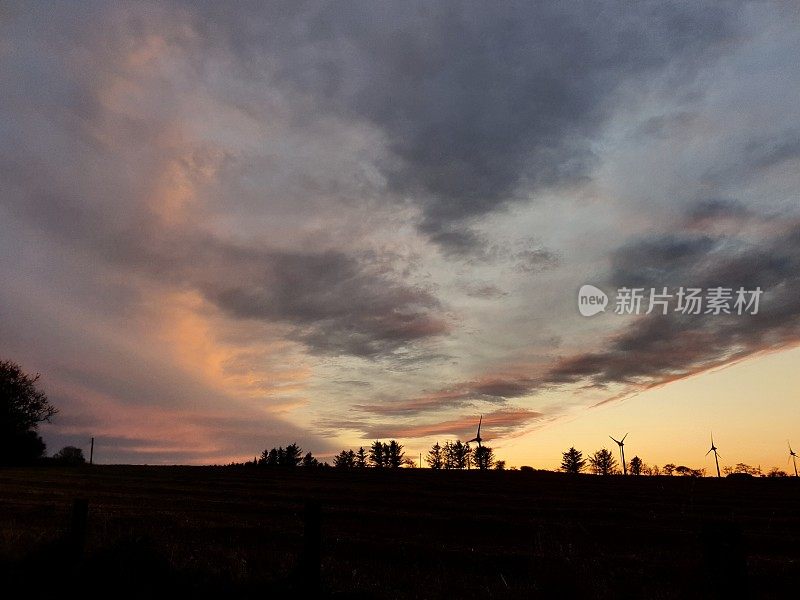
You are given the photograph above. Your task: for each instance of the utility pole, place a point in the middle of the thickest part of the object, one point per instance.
(91, 453)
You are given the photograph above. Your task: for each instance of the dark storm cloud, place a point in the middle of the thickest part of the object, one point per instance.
(480, 103)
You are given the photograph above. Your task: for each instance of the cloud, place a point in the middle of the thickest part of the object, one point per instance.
(221, 211)
(495, 389)
(487, 291)
(480, 105)
(500, 422)
(656, 349)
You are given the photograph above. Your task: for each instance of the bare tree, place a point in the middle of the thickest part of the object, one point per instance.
(22, 408)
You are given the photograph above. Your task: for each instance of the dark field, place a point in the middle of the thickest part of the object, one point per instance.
(226, 532)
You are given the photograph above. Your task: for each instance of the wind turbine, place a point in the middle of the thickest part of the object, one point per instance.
(716, 455)
(621, 444)
(478, 437)
(793, 458)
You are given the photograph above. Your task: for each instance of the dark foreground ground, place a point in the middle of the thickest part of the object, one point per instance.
(221, 532)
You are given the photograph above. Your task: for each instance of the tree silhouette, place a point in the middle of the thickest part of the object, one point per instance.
(483, 457)
(309, 460)
(635, 466)
(346, 459)
(603, 462)
(22, 408)
(361, 458)
(435, 458)
(69, 455)
(456, 455)
(668, 468)
(292, 456)
(289, 457)
(376, 456)
(394, 454)
(448, 456)
(572, 461)
(688, 471)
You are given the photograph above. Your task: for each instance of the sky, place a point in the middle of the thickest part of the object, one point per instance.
(227, 227)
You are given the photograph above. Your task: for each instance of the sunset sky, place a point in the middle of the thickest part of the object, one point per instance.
(229, 226)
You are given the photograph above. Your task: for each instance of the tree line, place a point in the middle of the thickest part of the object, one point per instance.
(602, 462)
(23, 407)
(457, 455)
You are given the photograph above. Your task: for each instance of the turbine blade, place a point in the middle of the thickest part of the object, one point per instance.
(709, 452)
(612, 437)
(623, 437)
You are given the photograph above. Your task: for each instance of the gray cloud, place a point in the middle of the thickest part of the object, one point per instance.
(339, 303)
(660, 348)
(478, 289)
(656, 349)
(478, 102)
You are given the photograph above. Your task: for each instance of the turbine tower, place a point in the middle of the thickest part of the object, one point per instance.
(716, 455)
(621, 444)
(793, 458)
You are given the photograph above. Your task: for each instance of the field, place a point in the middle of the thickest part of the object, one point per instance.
(239, 532)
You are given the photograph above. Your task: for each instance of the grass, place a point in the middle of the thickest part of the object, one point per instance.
(238, 532)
